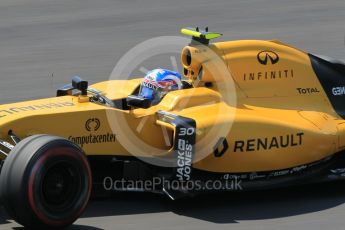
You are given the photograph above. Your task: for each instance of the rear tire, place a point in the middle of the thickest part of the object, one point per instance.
(45, 182)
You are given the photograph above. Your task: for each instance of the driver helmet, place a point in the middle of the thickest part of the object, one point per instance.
(157, 83)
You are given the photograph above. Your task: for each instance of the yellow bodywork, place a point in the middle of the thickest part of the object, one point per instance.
(269, 125)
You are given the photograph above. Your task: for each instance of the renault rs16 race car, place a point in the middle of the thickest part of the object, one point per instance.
(260, 112)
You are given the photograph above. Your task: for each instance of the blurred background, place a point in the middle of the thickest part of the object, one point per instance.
(39, 38)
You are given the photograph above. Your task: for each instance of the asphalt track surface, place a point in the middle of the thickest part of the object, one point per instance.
(39, 38)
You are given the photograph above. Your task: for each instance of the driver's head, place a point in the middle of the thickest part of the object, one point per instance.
(157, 83)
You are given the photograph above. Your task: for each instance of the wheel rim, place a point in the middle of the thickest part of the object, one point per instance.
(60, 186)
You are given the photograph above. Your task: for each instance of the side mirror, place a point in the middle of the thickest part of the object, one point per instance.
(139, 102)
(65, 90)
(80, 84)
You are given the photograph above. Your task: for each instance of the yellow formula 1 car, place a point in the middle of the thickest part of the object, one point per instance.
(251, 115)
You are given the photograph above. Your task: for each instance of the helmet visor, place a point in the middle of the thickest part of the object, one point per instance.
(146, 92)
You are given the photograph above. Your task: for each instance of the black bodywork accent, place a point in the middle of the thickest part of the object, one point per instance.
(65, 90)
(121, 104)
(133, 169)
(77, 84)
(80, 84)
(186, 85)
(184, 144)
(138, 102)
(15, 139)
(331, 75)
(315, 172)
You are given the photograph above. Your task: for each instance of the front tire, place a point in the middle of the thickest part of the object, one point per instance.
(45, 182)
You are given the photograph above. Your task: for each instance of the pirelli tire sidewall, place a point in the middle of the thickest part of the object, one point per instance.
(22, 176)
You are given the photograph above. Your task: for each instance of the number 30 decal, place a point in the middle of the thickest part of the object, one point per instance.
(186, 131)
